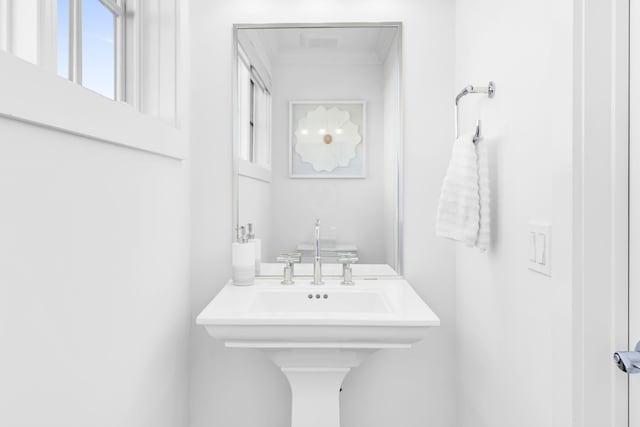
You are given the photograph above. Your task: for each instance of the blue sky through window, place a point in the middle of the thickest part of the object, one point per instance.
(98, 54)
(98, 48)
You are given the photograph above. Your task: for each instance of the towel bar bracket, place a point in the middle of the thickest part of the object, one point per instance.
(489, 90)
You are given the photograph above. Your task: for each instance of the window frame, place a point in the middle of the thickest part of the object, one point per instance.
(32, 90)
(261, 120)
(256, 165)
(118, 9)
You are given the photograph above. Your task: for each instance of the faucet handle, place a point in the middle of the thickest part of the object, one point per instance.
(289, 259)
(346, 259)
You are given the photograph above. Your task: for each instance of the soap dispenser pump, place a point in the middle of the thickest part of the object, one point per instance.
(242, 259)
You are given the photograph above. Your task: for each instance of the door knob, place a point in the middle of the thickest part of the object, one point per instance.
(628, 361)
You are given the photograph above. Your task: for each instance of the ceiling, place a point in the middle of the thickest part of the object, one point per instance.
(325, 45)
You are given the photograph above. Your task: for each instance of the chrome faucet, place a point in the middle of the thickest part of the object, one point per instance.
(317, 261)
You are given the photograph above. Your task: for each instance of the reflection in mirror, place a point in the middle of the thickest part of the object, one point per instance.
(317, 135)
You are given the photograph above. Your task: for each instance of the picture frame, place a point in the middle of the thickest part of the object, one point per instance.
(319, 153)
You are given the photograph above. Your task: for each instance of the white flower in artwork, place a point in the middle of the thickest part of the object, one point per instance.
(327, 138)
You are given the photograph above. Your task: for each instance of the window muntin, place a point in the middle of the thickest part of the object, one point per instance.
(62, 39)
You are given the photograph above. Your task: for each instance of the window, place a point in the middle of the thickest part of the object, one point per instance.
(82, 40)
(90, 47)
(125, 50)
(254, 115)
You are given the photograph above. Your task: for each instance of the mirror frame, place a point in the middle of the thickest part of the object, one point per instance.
(399, 208)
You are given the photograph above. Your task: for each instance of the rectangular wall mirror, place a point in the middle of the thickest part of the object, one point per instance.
(318, 135)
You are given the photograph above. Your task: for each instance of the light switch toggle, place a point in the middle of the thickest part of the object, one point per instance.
(539, 241)
(541, 245)
(532, 246)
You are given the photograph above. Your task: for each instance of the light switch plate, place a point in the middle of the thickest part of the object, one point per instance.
(539, 249)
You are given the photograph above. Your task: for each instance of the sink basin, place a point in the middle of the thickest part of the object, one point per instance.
(383, 313)
(316, 334)
(303, 301)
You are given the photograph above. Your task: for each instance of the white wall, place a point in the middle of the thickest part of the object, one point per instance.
(93, 283)
(514, 326)
(408, 388)
(346, 204)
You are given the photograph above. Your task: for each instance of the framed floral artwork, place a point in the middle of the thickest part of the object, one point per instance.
(327, 139)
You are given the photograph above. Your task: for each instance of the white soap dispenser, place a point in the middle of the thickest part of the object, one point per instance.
(243, 260)
(257, 243)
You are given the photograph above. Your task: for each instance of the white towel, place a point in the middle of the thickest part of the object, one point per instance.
(463, 211)
(484, 232)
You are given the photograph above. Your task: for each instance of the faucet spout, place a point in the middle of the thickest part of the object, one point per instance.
(317, 260)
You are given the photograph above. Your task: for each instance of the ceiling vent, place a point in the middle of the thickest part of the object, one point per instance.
(318, 41)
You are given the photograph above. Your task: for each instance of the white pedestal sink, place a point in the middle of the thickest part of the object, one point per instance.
(317, 334)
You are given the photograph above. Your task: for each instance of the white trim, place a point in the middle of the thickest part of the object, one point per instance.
(364, 141)
(33, 95)
(255, 76)
(132, 46)
(600, 250)
(120, 54)
(6, 24)
(113, 7)
(47, 35)
(634, 200)
(235, 132)
(400, 166)
(165, 61)
(252, 54)
(182, 47)
(75, 41)
(253, 170)
(25, 30)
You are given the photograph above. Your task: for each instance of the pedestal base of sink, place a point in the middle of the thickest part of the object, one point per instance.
(316, 341)
(315, 396)
(315, 377)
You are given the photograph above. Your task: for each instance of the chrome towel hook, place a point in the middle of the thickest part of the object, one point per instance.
(476, 135)
(490, 90)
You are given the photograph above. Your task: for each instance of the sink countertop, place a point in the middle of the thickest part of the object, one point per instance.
(236, 305)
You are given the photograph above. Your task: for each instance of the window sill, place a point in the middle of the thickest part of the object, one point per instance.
(34, 95)
(252, 170)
